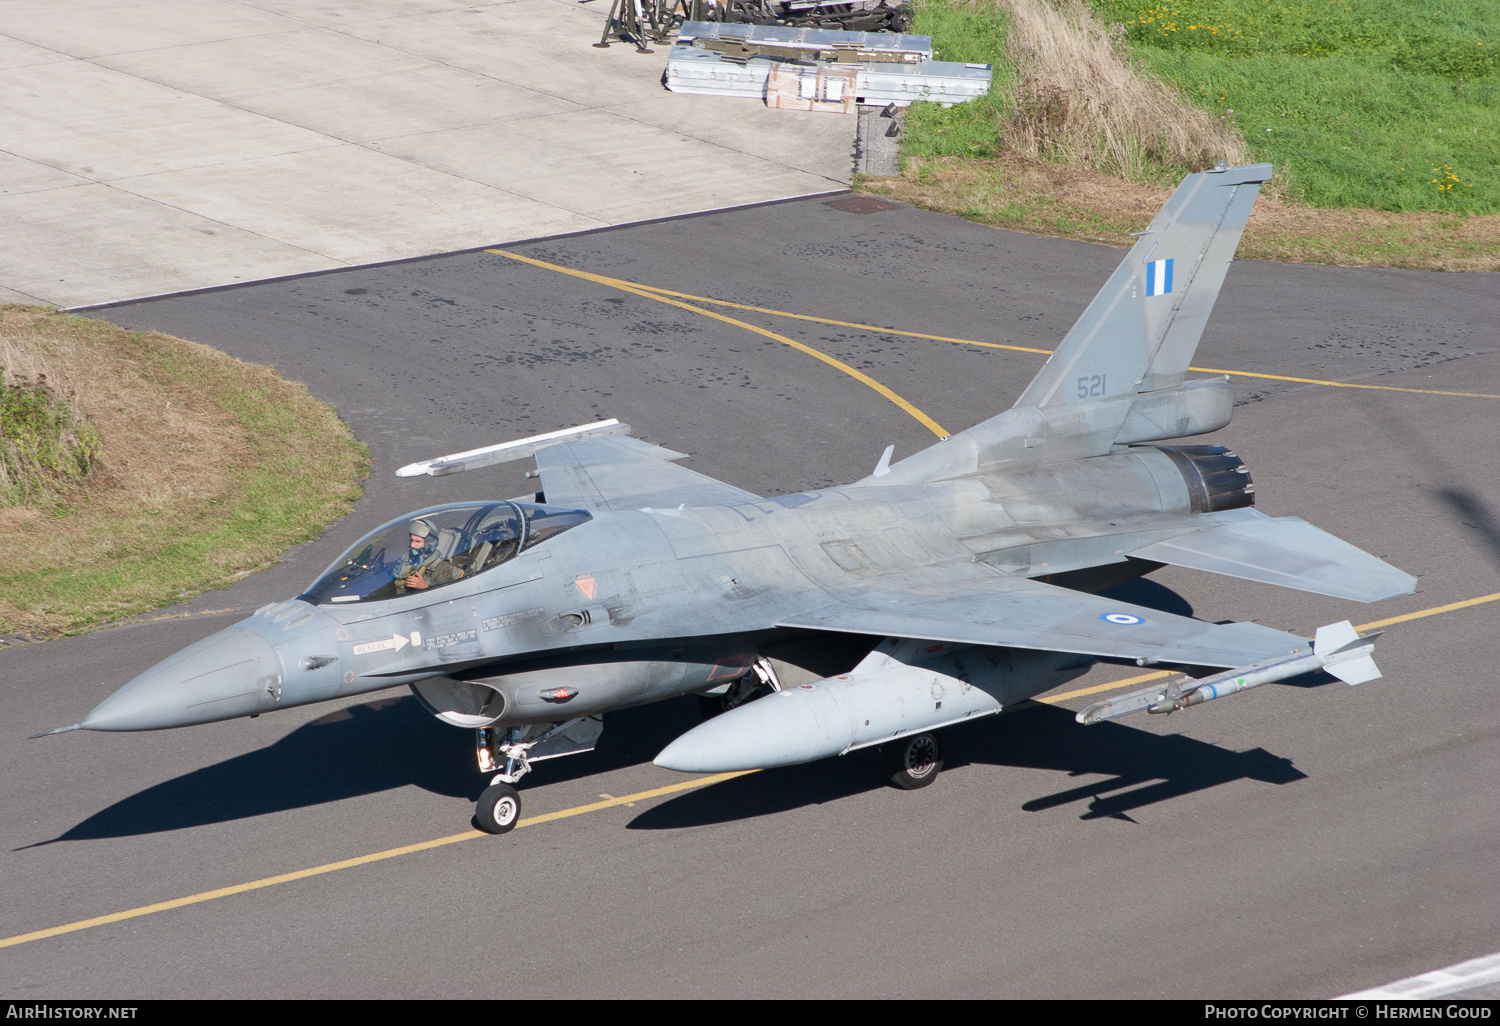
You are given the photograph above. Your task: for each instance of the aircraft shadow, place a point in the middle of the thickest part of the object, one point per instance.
(1474, 513)
(1145, 592)
(1141, 768)
(363, 749)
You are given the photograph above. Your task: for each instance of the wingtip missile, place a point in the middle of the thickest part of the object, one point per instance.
(1338, 649)
(505, 452)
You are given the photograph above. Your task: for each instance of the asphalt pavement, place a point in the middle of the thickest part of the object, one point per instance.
(1298, 841)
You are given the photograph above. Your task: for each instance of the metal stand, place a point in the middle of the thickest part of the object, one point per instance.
(640, 22)
(643, 21)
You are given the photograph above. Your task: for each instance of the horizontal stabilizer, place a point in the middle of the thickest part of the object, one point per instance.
(1285, 551)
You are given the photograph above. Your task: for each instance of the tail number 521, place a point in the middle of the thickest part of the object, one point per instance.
(1090, 386)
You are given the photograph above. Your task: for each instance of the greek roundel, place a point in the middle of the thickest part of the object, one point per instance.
(1159, 277)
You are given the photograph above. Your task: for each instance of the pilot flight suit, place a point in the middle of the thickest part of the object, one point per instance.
(426, 561)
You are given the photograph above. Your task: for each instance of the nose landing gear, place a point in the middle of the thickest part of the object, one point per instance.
(512, 752)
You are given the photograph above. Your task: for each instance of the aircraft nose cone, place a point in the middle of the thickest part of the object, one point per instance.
(225, 675)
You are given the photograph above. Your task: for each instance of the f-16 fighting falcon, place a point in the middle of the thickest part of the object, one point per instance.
(942, 588)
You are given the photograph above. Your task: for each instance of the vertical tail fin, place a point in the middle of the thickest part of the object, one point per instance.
(1140, 332)
(1117, 378)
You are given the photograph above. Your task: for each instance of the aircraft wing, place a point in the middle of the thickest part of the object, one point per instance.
(972, 603)
(1286, 551)
(615, 472)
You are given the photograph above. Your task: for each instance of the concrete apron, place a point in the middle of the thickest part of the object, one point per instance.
(179, 144)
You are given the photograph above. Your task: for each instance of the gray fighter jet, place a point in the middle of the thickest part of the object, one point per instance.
(940, 589)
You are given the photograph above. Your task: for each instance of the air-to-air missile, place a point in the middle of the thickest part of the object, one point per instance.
(940, 589)
(1337, 649)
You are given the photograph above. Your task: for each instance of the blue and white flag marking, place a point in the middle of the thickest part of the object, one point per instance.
(1159, 277)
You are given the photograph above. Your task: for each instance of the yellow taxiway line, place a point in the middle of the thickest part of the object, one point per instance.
(579, 810)
(841, 324)
(657, 291)
(634, 289)
(363, 860)
(1044, 352)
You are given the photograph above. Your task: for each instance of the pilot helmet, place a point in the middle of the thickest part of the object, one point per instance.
(420, 528)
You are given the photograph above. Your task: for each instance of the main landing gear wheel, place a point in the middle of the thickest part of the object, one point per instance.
(913, 762)
(498, 809)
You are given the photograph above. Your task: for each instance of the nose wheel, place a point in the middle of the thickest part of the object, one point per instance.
(498, 810)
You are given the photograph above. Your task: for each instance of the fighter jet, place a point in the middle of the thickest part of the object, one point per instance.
(940, 589)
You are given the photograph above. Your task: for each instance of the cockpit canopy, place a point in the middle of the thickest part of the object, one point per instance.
(438, 546)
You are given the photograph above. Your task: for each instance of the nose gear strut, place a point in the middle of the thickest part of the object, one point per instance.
(512, 752)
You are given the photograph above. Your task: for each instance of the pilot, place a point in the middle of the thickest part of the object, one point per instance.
(422, 567)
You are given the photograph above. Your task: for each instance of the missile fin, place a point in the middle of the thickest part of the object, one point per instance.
(1354, 671)
(1345, 653)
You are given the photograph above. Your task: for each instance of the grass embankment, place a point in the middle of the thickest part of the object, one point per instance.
(1385, 104)
(1384, 118)
(158, 468)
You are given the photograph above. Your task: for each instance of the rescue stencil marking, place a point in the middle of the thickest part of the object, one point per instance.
(586, 585)
(395, 641)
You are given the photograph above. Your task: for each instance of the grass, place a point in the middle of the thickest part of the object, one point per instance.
(47, 445)
(971, 34)
(1044, 198)
(1383, 104)
(1064, 90)
(207, 469)
(1384, 123)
